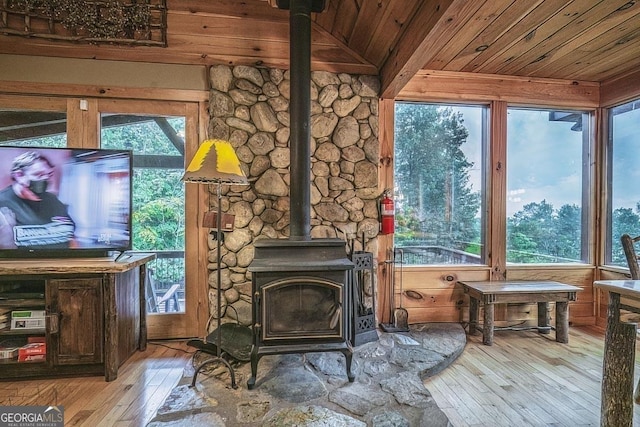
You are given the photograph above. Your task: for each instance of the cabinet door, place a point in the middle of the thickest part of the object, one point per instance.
(76, 306)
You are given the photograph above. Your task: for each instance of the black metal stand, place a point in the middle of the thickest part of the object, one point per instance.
(218, 357)
(363, 325)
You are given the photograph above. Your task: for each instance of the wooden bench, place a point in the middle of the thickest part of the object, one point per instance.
(498, 292)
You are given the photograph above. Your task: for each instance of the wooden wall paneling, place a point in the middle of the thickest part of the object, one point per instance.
(345, 18)
(508, 30)
(497, 208)
(83, 118)
(327, 18)
(246, 9)
(423, 37)
(435, 291)
(196, 238)
(425, 315)
(586, 42)
(607, 69)
(573, 18)
(468, 87)
(621, 89)
(580, 275)
(96, 91)
(393, 25)
(603, 55)
(370, 15)
(386, 129)
(40, 103)
(490, 39)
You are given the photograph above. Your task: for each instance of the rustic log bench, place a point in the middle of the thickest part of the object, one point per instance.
(616, 406)
(498, 292)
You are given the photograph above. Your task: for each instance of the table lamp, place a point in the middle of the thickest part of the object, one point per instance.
(216, 162)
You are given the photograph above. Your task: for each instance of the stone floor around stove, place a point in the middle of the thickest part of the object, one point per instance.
(312, 389)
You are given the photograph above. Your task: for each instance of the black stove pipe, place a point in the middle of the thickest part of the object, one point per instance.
(300, 117)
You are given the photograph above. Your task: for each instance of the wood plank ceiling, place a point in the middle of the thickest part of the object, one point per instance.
(586, 40)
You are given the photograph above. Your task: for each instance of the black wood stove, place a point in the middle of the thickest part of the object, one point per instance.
(301, 299)
(301, 295)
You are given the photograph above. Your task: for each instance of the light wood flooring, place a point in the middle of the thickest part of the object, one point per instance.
(524, 379)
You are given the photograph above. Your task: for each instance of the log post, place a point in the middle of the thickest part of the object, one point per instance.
(473, 315)
(487, 332)
(617, 373)
(562, 322)
(543, 318)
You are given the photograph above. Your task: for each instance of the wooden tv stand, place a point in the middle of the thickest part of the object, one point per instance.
(95, 313)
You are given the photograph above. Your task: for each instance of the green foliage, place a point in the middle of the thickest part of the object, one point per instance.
(435, 204)
(624, 221)
(539, 234)
(158, 193)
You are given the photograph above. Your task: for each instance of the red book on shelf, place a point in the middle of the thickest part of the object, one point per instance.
(31, 352)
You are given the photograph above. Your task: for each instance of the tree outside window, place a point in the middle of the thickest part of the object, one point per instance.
(623, 178)
(547, 186)
(439, 182)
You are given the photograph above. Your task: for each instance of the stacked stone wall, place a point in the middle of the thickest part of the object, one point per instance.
(249, 106)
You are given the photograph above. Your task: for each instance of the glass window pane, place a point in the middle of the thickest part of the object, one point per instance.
(624, 191)
(30, 128)
(547, 185)
(158, 197)
(439, 178)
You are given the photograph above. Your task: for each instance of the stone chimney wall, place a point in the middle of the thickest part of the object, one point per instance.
(249, 106)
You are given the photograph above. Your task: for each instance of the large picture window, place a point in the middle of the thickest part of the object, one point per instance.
(439, 182)
(623, 178)
(547, 186)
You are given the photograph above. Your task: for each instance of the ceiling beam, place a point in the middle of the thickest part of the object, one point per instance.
(425, 35)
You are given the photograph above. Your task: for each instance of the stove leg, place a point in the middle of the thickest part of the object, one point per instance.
(348, 355)
(251, 382)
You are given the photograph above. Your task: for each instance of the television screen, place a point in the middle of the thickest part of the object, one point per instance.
(64, 201)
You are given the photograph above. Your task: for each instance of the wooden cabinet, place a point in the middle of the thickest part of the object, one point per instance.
(95, 314)
(76, 321)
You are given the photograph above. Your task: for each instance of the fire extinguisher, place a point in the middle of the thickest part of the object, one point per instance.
(387, 214)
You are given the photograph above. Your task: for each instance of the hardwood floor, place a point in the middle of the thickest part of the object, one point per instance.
(143, 383)
(524, 379)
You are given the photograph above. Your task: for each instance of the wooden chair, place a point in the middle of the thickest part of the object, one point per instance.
(154, 301)
(628, 245)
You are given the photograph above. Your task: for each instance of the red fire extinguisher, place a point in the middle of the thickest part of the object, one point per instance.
(387, 214)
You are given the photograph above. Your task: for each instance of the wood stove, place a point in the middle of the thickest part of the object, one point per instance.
(301, 299)
(301, 295)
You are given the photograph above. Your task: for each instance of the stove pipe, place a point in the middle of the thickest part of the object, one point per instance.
(300, 113)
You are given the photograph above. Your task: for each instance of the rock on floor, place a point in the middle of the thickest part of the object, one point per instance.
(312, 389)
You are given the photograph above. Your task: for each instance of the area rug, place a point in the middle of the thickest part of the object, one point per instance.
(312, 389)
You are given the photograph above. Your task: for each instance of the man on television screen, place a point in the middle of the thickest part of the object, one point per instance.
(31, 217)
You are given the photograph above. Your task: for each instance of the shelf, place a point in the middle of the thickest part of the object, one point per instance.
(14, 361)
(22, 303)
(13, 332)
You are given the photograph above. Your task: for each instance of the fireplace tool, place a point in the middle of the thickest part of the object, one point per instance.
(398, 317)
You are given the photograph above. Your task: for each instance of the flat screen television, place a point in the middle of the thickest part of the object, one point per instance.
(64, 202)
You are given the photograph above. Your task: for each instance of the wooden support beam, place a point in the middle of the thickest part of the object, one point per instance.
(427, 33)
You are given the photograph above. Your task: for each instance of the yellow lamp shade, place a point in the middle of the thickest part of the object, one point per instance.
(215, 161)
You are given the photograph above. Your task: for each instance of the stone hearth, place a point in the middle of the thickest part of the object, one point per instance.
(312, 389)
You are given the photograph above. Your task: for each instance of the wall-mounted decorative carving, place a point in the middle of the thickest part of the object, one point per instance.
(133, 22)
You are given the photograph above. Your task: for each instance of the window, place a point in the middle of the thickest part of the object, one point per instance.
(623, 177)
(31, 128)
(547, 186)
(158, 194)
(439, 178)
